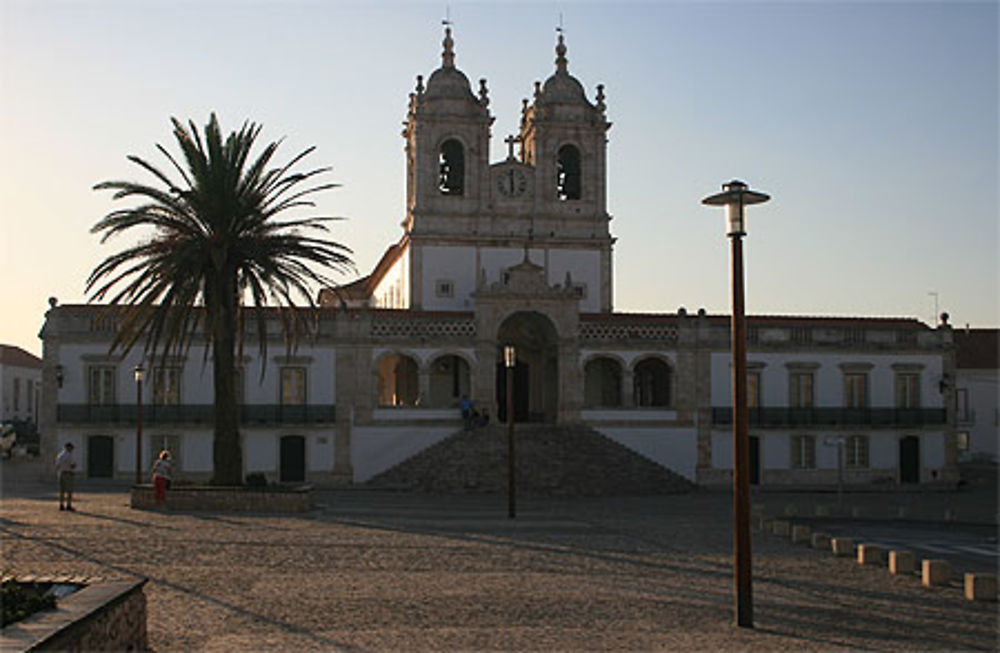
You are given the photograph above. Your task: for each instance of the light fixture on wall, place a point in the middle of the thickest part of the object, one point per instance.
(60, 375)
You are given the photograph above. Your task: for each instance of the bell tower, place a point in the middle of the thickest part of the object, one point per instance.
(564, 139)
(447, 132)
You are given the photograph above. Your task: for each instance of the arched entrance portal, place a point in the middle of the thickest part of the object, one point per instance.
(536, 374)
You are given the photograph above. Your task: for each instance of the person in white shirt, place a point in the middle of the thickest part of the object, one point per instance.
(162, 471)
(65, 472)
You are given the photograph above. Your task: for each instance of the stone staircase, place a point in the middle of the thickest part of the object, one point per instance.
(551, 461)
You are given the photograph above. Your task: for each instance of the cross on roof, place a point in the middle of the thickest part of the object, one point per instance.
(510, 140)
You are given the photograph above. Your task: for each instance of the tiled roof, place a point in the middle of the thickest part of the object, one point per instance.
(17, 357)
(977, 349)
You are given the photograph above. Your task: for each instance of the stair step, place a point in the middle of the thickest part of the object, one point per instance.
(551, 461)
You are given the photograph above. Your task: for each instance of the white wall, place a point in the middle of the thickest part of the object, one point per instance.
(393, 291)
(674, 448)
(983, 389)
(455, 264)
(29, 380)
(376, 449)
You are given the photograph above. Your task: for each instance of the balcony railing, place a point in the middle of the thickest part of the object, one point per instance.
(257, 414)
(797, 417)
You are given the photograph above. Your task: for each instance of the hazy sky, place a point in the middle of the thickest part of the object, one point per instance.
(873, 127)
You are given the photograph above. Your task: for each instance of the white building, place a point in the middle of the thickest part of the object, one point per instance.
(518, 252)
(20, 385)
(977, 384)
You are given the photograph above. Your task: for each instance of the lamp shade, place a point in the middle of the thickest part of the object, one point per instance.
(508, 356)
(139, 373)
(735, 196)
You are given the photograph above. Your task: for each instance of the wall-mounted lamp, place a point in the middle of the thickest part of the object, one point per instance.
(60, 375)
(945, 383)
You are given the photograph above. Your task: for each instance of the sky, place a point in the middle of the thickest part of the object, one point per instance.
(873, 126)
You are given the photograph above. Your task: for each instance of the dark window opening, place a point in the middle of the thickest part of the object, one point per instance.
(568, 173)
(451, 168)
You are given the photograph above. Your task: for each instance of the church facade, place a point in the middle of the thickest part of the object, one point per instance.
(517, 253)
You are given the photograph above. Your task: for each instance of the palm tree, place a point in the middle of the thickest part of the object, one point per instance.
(220, 252)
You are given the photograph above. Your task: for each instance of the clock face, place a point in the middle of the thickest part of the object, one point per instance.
(512, 182)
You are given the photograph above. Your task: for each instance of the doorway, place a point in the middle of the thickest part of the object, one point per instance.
(754, 460)
(909, 459)
(536, 371)
(100, 456)
(292, 459)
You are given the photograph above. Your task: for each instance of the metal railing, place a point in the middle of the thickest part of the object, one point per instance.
(875, 417)
(262, 414)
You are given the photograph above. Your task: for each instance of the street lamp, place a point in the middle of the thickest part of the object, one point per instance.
(735, 196)
(509, 360)
(139, 374)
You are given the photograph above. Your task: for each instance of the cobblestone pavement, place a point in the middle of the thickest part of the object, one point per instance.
(383, 571)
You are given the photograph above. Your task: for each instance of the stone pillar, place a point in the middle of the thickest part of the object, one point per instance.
(570, 385)
(628, 388)
(48, 413)
(424, 386)
(346, 373)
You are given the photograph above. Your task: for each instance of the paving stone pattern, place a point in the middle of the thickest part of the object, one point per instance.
(393, 571)
(551, 461)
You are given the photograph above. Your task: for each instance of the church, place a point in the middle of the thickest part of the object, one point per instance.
(517, 253)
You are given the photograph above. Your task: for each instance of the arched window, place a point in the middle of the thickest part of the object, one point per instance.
(451, 168)
(449, 380)
(398, 381)
(652, 383)
(602, 383)
(568, 173)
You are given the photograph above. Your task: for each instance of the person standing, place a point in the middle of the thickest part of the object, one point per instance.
(65, 472)
(162, 472)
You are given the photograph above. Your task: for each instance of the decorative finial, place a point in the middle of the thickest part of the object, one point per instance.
(600, 98)
(420, 84)
(484, 93)
(448, 56)
(538, 88)
(561, 61)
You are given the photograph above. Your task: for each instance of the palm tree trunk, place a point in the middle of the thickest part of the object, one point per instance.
(227, 454)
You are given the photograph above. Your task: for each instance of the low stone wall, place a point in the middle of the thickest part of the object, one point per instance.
(228, 499)
(107, 616)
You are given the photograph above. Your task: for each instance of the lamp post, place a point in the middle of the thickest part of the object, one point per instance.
(735, 196)
(139, 373)
(509, 360)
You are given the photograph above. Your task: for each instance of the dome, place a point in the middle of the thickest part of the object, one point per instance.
(448, 81)
(561, 86)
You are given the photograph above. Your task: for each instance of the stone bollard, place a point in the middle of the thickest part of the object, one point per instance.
(820, 541)
(901, 562)
(800, 534)
(823, 511)
(980, 587)
(781, 528)
(791, 510)
(935, 572)
(869, 554)
(842, 546)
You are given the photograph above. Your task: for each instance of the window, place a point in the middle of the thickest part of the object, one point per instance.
(451, 168)
(800, 386)
(962, 441)
(293, 386)
(962, 411)
(856, 452)
(753, 390)
(908, 390)
(29, 393)
(167, 386)
(101, 385)
(568, 184)
(856, 390)
(803, 452)
(651, 383)
(17, 395)
(444, 288)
